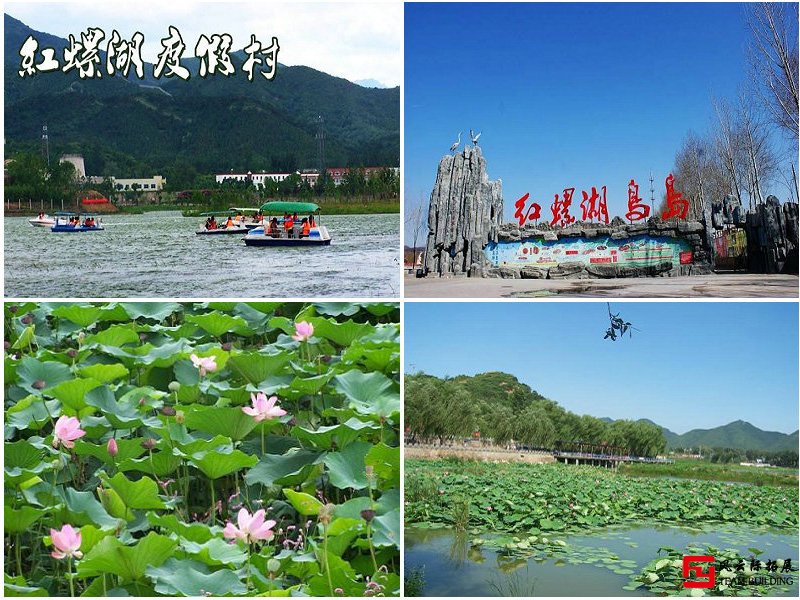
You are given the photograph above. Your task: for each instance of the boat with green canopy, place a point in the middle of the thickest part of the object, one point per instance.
(228, 223)
(289, 224)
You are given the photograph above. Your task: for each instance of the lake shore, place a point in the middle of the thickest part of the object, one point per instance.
(728, 285)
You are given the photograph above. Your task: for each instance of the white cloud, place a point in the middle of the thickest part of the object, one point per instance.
(354, 40)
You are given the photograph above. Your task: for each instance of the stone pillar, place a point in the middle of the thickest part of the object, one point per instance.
(465, 213)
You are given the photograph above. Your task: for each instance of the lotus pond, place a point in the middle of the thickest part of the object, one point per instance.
(518, 529)
(201, 449)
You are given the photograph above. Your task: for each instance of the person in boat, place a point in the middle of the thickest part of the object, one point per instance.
(41, 216)
(288, 223)
(229, 223)
(311, 220)
(294, 217)
(306, 228)
(273, 228)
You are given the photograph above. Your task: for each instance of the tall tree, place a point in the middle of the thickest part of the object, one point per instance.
(774, 60)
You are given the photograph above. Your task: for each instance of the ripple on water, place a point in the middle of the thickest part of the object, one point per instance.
(158, 254)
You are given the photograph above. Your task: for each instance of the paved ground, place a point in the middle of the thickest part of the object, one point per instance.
(699, 286)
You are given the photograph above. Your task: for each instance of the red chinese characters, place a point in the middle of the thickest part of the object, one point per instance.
(637, 210)
(677, 205)
(533, 212)
(594, 206)
(560, 209)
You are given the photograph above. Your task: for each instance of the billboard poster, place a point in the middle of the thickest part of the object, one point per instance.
(637, 251)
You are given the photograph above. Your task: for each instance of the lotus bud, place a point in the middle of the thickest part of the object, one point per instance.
(72, 353)
(112, 447)
(6, 345)
(273, 565)
(81, 337)
(168, 411)
(59, 463)
(39, 384)
(179, 417)
(148, 444)
(325, 358)
(227, 346)
(27, 320)
(143, 337)
(368, 514)
(174, 386)
(141, 401)
(13, 308)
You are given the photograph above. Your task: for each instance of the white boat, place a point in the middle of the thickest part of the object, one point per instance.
(42, 220)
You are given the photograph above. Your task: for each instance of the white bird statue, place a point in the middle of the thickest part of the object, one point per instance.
(455, 146)
(474, 137)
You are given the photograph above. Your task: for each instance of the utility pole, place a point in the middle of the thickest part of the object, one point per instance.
(45, 144)
(652, 196)
(321, 145)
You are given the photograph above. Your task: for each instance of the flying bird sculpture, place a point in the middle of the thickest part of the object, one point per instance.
(619, 326)
(474, 137)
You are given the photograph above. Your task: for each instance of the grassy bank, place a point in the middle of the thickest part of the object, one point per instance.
(698, 469)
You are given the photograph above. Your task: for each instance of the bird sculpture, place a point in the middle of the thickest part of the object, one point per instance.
(474, 137)
(455, 146)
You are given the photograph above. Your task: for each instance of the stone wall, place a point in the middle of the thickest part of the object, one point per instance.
(466, 210)
(687, 240)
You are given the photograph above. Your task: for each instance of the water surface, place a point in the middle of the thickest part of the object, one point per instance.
(158, 254)
(452, 567)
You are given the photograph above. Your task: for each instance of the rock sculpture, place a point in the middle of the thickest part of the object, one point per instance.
(465, 213)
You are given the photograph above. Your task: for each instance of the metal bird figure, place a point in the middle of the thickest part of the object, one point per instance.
(474, 137)
(455, 146)
(618, 324)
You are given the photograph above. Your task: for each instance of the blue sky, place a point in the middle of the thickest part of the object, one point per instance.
(566, 95)
(692, 365)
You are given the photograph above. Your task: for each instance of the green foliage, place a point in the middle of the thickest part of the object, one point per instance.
(503, 410)
(518, 497)
(152, 511)
(663, 576)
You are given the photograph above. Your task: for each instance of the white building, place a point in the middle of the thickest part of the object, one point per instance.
(259, 178)
(144, 184)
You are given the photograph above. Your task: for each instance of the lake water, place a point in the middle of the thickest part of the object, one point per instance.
(452, 567)
(158, 254)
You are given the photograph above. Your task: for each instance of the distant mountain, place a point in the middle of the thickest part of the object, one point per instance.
(370, 83)
(132, 127)
(738, 434)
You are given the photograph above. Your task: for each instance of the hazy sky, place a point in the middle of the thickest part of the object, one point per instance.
(567, 94)
(356, 40)
(692, 365)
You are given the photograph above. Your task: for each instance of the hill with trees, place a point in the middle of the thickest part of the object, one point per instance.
(135, 128)
(503, 409)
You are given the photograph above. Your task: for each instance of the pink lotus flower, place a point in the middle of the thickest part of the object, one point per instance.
(263, 408)
(66, 542)
(207, 364)
(302, 331)
(251, 527)
(112, 447)
(67, 430)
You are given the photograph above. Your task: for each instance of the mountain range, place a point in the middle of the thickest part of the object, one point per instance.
(131, 127)
(740, 435)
